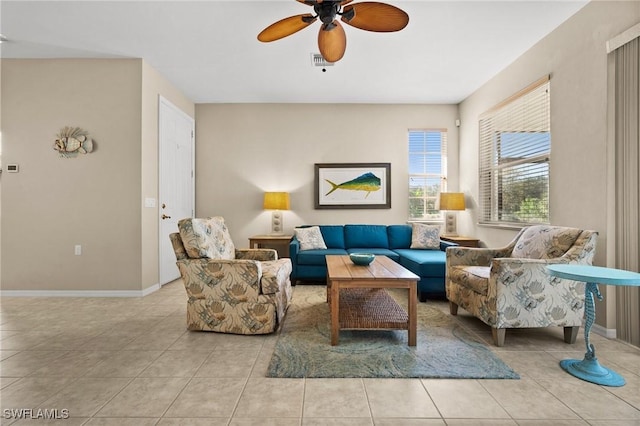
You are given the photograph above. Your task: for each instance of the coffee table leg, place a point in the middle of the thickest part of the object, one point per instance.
(335, 312)
(412, 312)
(328, 289)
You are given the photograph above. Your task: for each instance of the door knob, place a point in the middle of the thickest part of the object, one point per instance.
(164, 216)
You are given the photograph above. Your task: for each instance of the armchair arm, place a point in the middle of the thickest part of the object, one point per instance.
(234, 280)
(526, 280)
(260, 254)
(468, 256)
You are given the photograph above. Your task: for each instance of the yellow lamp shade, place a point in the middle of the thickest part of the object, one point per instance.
(452, 201)
(276, 201)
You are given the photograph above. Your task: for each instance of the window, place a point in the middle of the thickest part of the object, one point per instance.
(515, 149)
(427, 172)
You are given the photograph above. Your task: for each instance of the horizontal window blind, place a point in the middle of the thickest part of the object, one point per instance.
(427, 172)
(514, 155)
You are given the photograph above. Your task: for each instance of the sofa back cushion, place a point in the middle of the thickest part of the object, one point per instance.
(206, 238)
(333, 236)
(545, 242)
(399, 236)
(364, 236)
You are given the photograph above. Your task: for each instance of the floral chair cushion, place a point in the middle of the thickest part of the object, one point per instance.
(206, 238)
(545, 242)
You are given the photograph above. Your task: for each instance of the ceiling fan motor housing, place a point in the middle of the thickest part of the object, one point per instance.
(327, 11)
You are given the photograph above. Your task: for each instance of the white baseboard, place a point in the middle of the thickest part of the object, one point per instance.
(80, 293)
(609, 333)
(151, 289)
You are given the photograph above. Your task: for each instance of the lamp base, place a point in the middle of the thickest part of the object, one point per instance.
(276, 223)
(450, 225)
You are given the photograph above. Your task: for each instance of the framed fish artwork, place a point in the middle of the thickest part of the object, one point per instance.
(352, 186)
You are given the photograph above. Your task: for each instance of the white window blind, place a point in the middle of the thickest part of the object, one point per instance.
(427, 172)
(515, 149)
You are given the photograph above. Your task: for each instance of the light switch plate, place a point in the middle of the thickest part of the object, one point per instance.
(149, 202)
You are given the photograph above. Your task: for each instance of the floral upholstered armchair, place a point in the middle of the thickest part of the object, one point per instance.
(510, 287)
(239, 291)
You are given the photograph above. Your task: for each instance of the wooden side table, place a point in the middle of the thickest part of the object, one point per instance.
(463, 241)
(280, 243)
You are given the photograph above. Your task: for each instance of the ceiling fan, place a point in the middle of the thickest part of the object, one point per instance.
(332, 41)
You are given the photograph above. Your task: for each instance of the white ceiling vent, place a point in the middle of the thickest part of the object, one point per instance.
(318, 61)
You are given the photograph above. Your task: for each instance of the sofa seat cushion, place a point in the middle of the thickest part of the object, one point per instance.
(377, 251)
(426, 263)
(366, 236)
(474, 278)
(316, 257)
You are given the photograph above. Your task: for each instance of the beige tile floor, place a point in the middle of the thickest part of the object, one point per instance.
(130, 361)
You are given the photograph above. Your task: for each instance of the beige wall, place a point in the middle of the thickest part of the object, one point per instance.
(94, 200)
(55, 203)
(575, 56)
(244, 150)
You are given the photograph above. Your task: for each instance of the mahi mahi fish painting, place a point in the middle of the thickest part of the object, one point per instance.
(352, 186)
(367, 182)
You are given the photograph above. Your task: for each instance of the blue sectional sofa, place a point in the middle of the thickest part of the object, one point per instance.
(393, 241)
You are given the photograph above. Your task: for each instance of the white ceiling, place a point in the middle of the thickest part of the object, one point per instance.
(209, 50)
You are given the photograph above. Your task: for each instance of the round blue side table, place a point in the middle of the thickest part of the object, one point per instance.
(589, 368)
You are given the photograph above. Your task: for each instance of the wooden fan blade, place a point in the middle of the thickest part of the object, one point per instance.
(286, 27)
(333, 42)
(375, 16)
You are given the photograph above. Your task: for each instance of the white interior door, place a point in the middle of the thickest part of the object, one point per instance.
(176, 142)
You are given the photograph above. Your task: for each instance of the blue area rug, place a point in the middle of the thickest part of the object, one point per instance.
(444, 350)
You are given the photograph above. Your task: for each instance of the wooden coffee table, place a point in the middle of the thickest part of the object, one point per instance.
(367, 305)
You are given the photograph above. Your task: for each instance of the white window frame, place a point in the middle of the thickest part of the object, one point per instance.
(514, 185)
(428, 197)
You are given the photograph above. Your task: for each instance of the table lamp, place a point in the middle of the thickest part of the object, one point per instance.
(450, 202)
(276, 201)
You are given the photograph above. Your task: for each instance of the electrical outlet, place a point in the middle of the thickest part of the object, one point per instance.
(78, 250)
